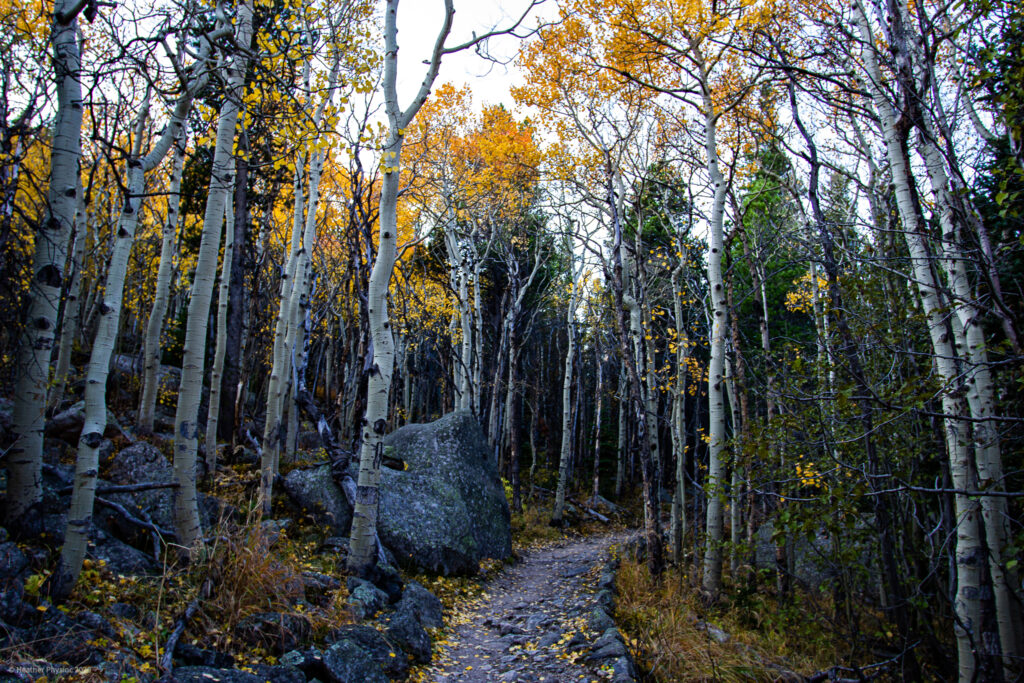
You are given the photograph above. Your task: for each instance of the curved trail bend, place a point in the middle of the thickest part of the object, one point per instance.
(531, 623)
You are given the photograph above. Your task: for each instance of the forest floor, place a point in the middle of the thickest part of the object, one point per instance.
(530, 622)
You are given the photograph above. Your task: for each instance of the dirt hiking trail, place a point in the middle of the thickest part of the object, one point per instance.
(532, 622)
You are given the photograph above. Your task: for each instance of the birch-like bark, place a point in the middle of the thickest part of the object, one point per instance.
(598, 392)
(87, 462)
(712, 574)
(567, 384)
(363, 544)
(677, 525)
(69, 326)
(186, 438)
(970, 554)
(620, 454)
(155, 325)
(25, 458)
(213, 411)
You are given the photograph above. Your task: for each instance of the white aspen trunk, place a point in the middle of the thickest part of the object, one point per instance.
(76, 534)
(712, 574)
(620, 464)
(363, 542)
(71, 308)
(155, 325)
(25, 458)
(677, 526)
(598, 391)
(278, 383)
(570, 353)
(213, 411)
(186, 438)
(970, 342)
(969, 553)
(735, 492)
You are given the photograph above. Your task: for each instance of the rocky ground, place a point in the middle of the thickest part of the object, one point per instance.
(541, 619)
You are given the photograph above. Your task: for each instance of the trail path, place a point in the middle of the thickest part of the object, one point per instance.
(531, 623)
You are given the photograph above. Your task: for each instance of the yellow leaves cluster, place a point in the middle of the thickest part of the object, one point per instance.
(800, 299)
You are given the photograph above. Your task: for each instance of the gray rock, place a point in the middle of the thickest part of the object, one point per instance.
(276, 631)
(190, 655)
(143, 463)
(606, 599)
(121, 558)
(447, 509)
(313, 490)
(12, 561)
(67, 424)
(206, 674)
(425, 604)
(388, 657)
(623, 670)
(406, 631)
(346, 662)
(609, 646)
(365, 598)
(600, 620)
(316, 586)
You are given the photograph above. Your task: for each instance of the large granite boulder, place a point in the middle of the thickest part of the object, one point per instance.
(314, 491)
(446, 510)
(442, 504)
(67, 424)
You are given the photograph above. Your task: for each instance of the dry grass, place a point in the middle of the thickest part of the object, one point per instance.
(663, 621)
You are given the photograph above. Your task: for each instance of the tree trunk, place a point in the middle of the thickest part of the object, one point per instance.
(186, 436)
(25, 458)
(155, 325)
(712, 575)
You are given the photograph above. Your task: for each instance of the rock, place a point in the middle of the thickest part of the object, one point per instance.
(365, 598)
(606, 599)
(389, 657)
(718, 634)
(56, 451)
(207, 674)
(425, 604)
(67, 424)
(346, 662)
(600, 620)
(190, 655)
(609, 646)
(280, 674)
(276, 631)
(273, 528)
(58, 638)
(120, 557)
(124, 610)
(406, 631)
(143, 463)
(95, 622)
(623, 670)
(316, 586)
(12, 561)
(10, 636)
(447, 509)
(308, 441)
(313, 490)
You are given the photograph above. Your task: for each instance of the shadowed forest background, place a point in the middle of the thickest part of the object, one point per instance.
(744, 275)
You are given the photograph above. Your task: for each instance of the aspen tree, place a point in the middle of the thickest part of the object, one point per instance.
(213, 411)
(970, 560)
(363, 543)
(155, 323)
(186, 437)
(565, 453)
(25, 458)
(87, 462)
(69, 325)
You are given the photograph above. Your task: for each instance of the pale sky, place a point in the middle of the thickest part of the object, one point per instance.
(418, 24)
